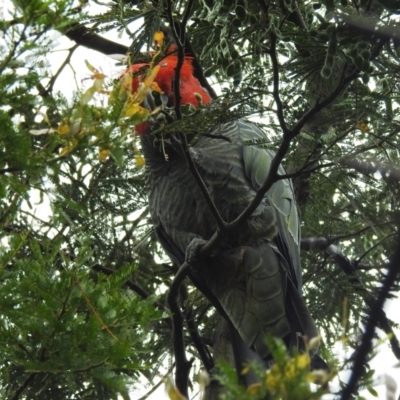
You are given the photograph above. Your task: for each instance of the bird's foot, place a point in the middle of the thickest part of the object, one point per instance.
(192, 252)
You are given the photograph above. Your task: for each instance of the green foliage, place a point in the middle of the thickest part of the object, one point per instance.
(62, 329)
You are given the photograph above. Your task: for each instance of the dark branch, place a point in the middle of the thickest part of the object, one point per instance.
(388, 172)
(340, 87)
(373, 320)
(375, 246)
(321, 243)
(85, 37)
(198, 342)
(16, 395)
(350, 269)
(304, 171)
(181, 56)
(198, 70)
(183, 366)
(131, 285)
(9, 170)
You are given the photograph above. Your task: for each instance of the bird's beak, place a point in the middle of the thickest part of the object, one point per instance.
(154, 101)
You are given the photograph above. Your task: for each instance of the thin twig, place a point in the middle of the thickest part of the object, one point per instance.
(303, 171)
(181, 57)
(343, 82)
(131, 285)
(336, 140)
(375, 246)
(185, 19)
(275, 75)
(193, 169)
(153, 389)
(94, 311)
(13, 48)
(65, 62)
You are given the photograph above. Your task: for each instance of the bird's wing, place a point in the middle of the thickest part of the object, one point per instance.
(257, 161)
(265, 294)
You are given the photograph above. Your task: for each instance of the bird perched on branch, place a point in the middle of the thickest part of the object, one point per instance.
(254, 276)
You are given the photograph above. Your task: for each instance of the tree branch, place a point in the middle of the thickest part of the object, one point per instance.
(55, 76)
(181, 56)
(321, 243)
(180, 39)
(275, 75)
(375, 246)
(388, 172)
(17, 393)
(303, 171)
(343, 82)
(183, 366)
(204, 354)
(131, 285)
(361, 353)
(350, 269)
(86, 37)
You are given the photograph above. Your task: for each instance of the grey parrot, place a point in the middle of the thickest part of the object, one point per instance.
(254, 277)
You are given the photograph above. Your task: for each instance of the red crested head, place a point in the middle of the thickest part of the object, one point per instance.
(189, 84)
(190, 87)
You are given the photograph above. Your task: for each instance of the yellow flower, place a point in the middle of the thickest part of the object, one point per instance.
(302, 361)
(158, 38)
(139, 161)
(63, 129)
(103, 154)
